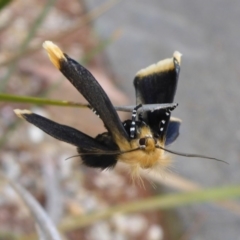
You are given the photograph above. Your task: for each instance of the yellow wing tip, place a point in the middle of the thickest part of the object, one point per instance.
(175, 119)
(161, 66)
(54, 52)
(177, 55)
(20, 113)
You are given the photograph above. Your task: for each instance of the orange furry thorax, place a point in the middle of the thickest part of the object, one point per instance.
(148, 157)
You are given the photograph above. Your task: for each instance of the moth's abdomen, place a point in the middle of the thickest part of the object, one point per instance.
(103, 160)
(97, 160)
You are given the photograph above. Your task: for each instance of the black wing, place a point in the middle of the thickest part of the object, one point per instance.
(88, 86)
(91, 150)
(157, 84)
(172, 130)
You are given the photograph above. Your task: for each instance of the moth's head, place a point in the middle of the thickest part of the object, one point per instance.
(143, 151)
(145, 139)
(147, 143)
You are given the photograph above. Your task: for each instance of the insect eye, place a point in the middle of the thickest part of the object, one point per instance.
(142, 142)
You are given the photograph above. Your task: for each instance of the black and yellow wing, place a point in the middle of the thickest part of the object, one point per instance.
(157, 84)
(88, 86)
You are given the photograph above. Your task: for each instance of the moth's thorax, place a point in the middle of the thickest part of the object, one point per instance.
(148, 156)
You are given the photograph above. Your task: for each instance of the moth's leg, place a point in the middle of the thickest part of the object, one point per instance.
(165, 120)
(140, 117)
(133, 123)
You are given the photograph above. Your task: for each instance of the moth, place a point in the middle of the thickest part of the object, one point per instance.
(141, 141)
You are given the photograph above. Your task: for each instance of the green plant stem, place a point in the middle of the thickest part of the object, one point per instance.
(157, 202)
(39, 101)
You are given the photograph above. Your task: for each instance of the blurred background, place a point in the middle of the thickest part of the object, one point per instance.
(115, 39)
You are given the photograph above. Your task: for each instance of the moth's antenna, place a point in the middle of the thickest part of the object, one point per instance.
(191, 155)
(104, 153)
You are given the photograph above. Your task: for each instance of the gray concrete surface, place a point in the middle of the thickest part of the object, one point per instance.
(207, 33)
